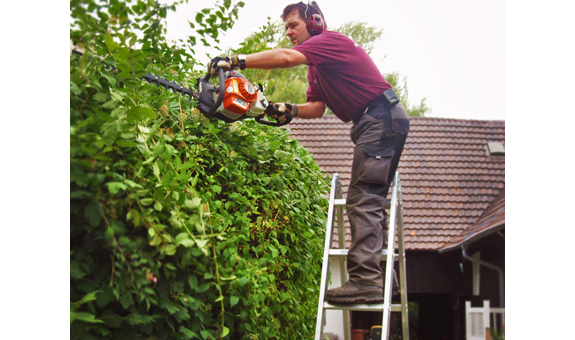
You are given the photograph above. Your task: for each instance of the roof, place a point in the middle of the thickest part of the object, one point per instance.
(492, 220)
(447, 178)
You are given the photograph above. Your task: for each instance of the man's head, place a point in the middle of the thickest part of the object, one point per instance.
(295, 17)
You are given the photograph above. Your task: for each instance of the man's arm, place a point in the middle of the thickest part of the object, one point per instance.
(276, 58)
(311, 110)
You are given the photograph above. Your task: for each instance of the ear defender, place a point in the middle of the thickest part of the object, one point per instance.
(315, 22)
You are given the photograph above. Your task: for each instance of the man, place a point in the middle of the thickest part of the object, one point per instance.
(343, 77)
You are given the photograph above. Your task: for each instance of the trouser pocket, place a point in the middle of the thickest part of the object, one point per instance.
(372, 162)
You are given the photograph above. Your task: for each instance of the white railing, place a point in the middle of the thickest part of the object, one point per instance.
(481, 320)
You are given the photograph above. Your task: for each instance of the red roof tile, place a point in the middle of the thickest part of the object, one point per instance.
(492, 220)
(447, 178)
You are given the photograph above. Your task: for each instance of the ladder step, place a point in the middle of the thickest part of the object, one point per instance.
(341, 202)
(375, 307)
(343, 252)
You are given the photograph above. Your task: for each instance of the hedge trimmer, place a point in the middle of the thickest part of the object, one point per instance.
(235, 99)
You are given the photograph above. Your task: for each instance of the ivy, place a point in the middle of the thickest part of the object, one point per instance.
(180, 227)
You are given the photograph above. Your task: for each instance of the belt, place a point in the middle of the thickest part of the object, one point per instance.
(388, 97)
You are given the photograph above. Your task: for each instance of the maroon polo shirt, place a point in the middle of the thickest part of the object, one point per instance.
(341, 74)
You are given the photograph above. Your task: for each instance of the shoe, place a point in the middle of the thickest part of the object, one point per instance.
(354, 292)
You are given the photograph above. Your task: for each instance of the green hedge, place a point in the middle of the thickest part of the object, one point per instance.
(181, 227)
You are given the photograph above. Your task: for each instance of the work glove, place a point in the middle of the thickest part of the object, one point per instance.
(219, 62)
(288, 108)
(227, 63)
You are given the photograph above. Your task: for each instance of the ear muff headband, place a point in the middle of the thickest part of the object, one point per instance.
(315, 23)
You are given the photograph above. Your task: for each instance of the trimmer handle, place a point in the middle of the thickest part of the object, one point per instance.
(270, 110)
(222, 91)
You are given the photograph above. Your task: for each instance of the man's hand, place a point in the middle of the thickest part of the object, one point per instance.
(288, 108)
(219, 62)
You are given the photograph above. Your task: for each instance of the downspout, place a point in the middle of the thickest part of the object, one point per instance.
(492, 266)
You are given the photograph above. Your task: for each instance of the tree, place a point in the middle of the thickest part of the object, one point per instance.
(180, 227)
(400, 88)
(291, 84)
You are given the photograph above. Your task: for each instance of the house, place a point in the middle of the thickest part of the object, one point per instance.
(453, 188)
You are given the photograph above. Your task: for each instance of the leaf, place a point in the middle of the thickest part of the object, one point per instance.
(109, 234)
(203, 287)
(114, 187)
(76, 272)
(171, 249)
(188, 334)
(94, 213)
(155, 240)
(86, 317)
(149, 160)
(225, 331)
(193, 281)
(175, 220)
(125, 143)
(147, 201)
(156, 169)
(108, 76)
(75, 89)
(184, 240)
(158, 149)
(126, 299)
(243, 281)
(159, 226)
(135, 319)
(110, 43)
(201, 244)
(140, 113)
(101, 97)
(205, 334)
(118, 112)
(193, 203)
(110, 130)
(234, 300)
(169, 306)
(132, 184)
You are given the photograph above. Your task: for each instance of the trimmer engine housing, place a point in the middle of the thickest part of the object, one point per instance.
(241, 98)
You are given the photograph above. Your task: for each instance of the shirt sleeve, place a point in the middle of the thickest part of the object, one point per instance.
(322, 50)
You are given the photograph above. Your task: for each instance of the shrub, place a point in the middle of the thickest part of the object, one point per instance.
(181, 227)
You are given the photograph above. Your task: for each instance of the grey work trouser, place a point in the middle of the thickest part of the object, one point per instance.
(379, 141)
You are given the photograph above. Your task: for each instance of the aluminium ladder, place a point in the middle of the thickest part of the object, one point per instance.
(395, 220)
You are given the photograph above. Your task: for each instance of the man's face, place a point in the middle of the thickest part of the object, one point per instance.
(296, 28)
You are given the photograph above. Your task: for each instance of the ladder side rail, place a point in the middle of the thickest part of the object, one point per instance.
(389, 262)
(402, 270)
(343, 270)
(325, 264)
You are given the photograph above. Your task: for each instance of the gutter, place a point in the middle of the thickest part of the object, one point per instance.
(476, 237)
(492, 266)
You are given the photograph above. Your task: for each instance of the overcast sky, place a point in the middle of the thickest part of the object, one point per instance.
(451, 51)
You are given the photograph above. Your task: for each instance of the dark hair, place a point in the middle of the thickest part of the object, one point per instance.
(301, 8)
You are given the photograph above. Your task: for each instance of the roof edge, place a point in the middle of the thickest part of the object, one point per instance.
(475, 238)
